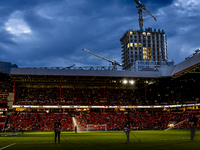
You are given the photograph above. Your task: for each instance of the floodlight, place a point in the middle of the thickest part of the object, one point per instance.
(131, 82)
(125, 81)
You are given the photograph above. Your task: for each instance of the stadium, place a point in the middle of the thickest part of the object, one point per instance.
(97, 101)
(146, 105)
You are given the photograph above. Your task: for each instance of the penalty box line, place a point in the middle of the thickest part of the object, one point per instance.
(7, 146)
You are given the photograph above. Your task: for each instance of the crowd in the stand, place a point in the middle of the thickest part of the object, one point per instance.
(156, 94)
(164, 91)
(70, 96)
(182, 90)
(6, 84)
(113, 120)
(5, 88)
(175, 91)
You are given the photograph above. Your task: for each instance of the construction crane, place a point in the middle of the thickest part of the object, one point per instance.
(115, 63)
(69, 66)
(142, 7)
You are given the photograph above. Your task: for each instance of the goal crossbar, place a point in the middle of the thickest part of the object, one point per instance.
(96, 127)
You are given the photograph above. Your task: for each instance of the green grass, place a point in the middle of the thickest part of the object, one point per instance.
(102, 140)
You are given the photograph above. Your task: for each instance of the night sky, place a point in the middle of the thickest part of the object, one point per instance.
(52, 33)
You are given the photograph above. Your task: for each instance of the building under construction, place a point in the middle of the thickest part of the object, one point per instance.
(143, 45)
(144, 48)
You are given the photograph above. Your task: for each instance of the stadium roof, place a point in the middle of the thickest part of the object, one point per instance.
(83, 78)
(190, 64)
(100, 73)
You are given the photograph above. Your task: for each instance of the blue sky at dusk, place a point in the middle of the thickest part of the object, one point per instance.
(52, 33)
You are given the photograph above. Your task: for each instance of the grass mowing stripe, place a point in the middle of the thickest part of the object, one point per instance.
(7, 146)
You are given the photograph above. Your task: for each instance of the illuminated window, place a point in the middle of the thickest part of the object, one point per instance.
(144, 57)
(148, 34)
(144, 33)
(144, 54)
(128, 45)
(131, 32)
(140, 44)
(127, 33)
(149, 49)
(144, 49)
(149, 53)
(131, 44)
(135, 44)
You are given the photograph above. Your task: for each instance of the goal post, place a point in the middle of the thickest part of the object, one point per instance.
(96, 127)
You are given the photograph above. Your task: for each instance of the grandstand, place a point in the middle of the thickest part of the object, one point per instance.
(43, 94)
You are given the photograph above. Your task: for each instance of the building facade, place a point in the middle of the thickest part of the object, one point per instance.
(143, 45)
(140, 65)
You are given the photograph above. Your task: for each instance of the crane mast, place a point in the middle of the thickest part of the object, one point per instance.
(142, 7)
(115, 63)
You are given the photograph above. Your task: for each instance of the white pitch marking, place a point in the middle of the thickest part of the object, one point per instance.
(7, 146)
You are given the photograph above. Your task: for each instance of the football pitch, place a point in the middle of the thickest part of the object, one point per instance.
(102, 140)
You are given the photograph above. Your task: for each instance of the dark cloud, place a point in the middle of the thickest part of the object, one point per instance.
(160, 3)
(37, 22)
(9, 6)
(153, 5)
(6, 38)
(53, 33)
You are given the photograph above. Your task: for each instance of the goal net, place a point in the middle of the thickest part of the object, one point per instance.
(94, 127)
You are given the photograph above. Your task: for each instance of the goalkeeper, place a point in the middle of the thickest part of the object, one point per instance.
(127, 127)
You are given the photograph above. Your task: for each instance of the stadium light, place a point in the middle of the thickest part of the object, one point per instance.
(131, 82)
(125, 81)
